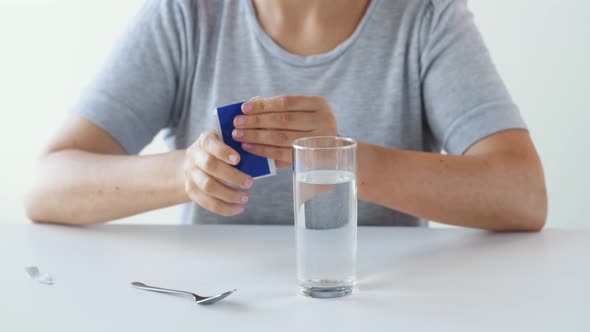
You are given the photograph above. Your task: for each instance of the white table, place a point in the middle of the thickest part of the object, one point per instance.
(410, 280)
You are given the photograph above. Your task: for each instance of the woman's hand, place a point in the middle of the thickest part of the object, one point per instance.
(207, 167)
(270, 125)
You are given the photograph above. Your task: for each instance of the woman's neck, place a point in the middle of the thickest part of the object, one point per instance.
(308, 27)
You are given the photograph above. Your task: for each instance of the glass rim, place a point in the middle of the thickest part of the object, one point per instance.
(297, 143)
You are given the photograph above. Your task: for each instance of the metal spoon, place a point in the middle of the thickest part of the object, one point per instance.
(198, 298)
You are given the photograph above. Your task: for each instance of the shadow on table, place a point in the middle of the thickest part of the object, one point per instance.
(228, 306)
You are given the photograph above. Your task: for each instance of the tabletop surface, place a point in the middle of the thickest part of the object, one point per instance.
(410, 279)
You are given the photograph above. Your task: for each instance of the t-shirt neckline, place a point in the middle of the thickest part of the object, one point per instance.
(301, 60)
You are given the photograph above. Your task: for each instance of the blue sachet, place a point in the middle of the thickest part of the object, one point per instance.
(250, 164)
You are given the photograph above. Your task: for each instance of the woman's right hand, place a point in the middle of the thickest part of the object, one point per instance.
(207, 167)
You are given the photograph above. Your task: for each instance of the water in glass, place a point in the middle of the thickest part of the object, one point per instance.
(325, 212)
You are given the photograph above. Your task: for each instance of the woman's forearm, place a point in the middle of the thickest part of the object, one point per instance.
(78, 187)
(495, 192)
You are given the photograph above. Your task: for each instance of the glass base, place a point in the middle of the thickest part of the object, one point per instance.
(327, 292)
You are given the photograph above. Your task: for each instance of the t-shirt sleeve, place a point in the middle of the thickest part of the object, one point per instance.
(464, 97)
(133, 95)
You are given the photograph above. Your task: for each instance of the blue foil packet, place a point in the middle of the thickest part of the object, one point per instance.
(251, 164)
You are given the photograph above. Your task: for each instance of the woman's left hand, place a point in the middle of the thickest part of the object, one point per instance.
(270, 125)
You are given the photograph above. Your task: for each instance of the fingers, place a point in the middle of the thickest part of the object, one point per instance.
(267, 137)
(213, 156)
(212, 203)
(284, 103)
(210, 142)
(207, 167)
(219, 169)
(282, 164)
(213, 187)
(301, 121)
(310, 114)
(277, 153)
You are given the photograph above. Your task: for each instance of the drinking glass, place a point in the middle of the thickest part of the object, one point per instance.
(325, 207)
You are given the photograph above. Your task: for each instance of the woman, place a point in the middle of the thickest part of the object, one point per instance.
(406, 78)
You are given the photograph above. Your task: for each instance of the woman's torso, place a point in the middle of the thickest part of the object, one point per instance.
(372, 82)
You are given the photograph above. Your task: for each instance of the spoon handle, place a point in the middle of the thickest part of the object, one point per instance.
(143, 286)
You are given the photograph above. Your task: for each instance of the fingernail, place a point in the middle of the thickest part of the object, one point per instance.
(240, 120)
(233, 158)
(244, 199)
(255, 97)
(238, 133)
(240, 210)
(246, 145)
(246, 107)
(248, 183)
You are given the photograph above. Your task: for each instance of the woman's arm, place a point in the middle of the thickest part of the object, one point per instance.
(498, 184)
(86, 177)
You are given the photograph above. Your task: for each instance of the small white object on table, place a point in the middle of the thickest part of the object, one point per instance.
(410, 279)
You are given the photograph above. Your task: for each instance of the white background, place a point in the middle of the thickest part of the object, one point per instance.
(50, 49)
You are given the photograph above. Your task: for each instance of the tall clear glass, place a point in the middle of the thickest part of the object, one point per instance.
(325, 204)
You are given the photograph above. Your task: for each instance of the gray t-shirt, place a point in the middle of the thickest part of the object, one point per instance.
(415, 75)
